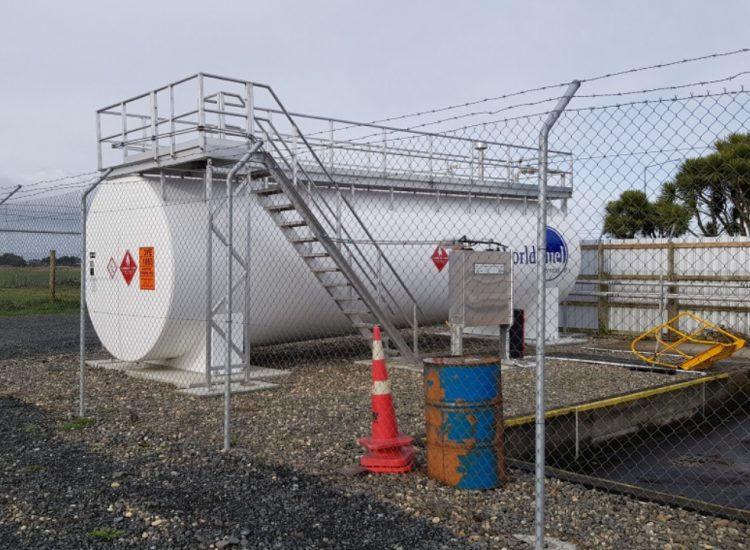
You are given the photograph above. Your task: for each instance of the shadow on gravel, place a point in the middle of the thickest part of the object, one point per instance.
(202, 496)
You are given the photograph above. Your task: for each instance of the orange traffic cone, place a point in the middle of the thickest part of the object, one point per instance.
(388, 451)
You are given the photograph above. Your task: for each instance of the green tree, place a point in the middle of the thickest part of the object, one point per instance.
(630, 215)
(633, 215)
(672, 219)
(716, 188)
(12, 260)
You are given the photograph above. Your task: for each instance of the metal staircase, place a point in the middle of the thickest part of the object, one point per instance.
(355, 284)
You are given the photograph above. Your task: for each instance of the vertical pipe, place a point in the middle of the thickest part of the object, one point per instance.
(380, 278)
(249, 108)
(220, 103)
(124, 123)
(415, 326)
(172, 127)
(430, 157)
(201, 113)
(295, 147)
(230, 237)
(385, 153)
(209, 270)
(228, 373)
(248, 251)
(541, 316)
(154, 116)
(330, 146)
(98, 140)
(82, 350)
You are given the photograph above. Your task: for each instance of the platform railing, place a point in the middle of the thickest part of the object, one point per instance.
(153, 125)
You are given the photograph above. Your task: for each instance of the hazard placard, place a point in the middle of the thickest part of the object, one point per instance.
(128, 267)
(112, 268)
(148, 271)
(440, 258)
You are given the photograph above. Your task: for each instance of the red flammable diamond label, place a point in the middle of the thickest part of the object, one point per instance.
(440, 258)
(112, 268)
(128, 267)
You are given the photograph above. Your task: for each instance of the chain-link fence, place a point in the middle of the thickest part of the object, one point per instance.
(238, 249)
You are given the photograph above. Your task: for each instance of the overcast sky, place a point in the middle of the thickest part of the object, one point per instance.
(61, 60)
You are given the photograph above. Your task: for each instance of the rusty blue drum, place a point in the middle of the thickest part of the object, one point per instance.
(464, 416)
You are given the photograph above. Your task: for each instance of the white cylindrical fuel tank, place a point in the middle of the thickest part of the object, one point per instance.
(138, 319)
(165, 318)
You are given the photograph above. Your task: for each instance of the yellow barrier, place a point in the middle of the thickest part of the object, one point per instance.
(714, 344)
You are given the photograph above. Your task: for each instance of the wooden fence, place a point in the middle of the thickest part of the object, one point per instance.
(628, 286)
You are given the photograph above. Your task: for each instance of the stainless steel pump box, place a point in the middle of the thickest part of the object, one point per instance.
(481, 288)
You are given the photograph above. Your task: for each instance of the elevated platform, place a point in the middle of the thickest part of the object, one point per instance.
(180, 126)
(190, 157)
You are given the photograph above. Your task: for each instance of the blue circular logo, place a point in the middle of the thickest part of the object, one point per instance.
(557, 254)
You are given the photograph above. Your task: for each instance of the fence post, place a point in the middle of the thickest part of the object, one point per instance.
(673, 306)
(541, 316)
(603, 300)
(52, 269)
(9, 195)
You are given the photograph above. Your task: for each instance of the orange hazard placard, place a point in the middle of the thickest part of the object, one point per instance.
(148, 274)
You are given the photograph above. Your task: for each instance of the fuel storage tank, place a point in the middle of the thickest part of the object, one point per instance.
(147, 269)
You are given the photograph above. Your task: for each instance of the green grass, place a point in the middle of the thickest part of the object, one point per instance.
(78, 424)
(35, 301)
(24, 291)
(38, 277)
(107, 533)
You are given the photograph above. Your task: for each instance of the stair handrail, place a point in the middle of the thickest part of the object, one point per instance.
(343, 197)
(365, 269)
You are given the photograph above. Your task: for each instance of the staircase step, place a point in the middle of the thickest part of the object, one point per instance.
(294, 223)
(279, 207)
(325, 269)
(265, 191)
(302, 240)
(336, 285)
(356, 312)
(315, 255)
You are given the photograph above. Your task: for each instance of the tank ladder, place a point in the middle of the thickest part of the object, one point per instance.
(694, 349)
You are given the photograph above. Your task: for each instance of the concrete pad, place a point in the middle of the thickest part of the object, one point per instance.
(394, 363)
(189, 380)
(218, 389)
(397, 363)
(549, 542)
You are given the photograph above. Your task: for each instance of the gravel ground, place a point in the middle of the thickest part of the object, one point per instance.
(149, 466)
(34, 334)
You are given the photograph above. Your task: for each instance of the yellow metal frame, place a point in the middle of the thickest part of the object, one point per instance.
(686, 361)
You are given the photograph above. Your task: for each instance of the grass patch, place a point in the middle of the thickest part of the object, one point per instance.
(78, 424)
(107, 533)
(38, 277)
(25, 291)
(35, 301)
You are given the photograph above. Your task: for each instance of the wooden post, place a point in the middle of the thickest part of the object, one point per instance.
(52, 278)
(603, 301)
(673, 306)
